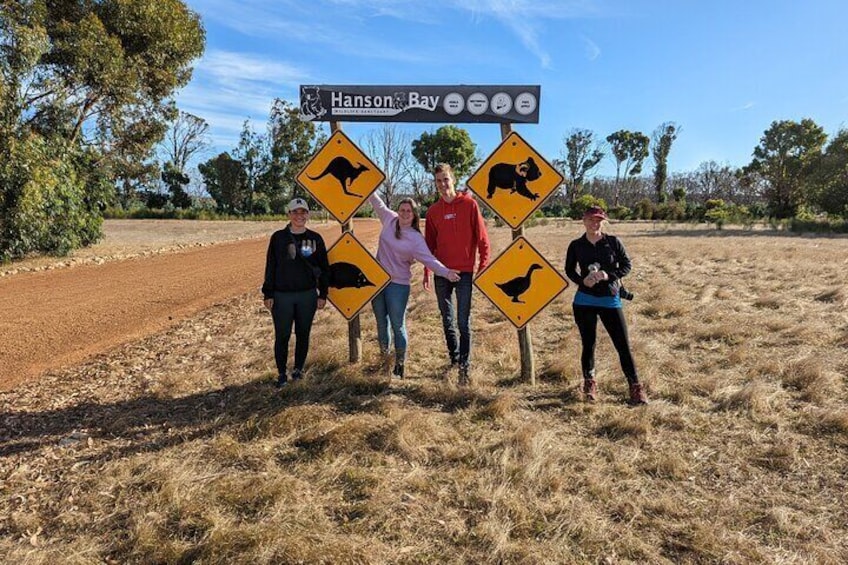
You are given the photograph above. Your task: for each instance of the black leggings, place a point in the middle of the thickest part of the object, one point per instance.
(298, 309)
(586, 318)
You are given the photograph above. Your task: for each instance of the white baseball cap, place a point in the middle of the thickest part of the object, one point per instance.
(297, 203)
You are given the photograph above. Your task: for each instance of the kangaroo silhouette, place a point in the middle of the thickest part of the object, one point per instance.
(519, 285)
(343, 171)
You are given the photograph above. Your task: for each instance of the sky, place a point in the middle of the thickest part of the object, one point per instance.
(722, 70)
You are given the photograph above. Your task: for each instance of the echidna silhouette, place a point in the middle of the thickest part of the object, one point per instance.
(347, 275)
(343, 171)
(514, 177)
(519, 285)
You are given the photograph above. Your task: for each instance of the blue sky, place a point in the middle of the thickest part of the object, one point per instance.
(722, 70)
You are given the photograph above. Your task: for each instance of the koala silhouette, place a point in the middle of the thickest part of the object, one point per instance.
(400, 100)
(311, 106)
(514, 177)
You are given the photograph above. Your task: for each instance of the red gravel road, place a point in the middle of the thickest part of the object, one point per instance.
(59, 317)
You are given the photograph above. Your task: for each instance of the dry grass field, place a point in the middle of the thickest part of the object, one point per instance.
(178, 449)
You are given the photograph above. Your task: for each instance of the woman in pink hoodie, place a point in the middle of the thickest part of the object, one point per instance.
(401, 244)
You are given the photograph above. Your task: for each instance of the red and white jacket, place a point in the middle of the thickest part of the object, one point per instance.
(456, 233)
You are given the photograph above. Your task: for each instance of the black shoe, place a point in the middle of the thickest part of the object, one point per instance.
(463, 376)
(282, 381)
(297, 374)
(397, 372)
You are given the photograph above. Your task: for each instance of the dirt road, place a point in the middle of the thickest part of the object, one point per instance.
(53, 318)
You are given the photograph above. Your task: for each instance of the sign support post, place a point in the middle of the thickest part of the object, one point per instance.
(354, 330)
(525, 342)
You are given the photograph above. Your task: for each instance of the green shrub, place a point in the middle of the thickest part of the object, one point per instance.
(47, 203)
(582, 203)
(644, 210)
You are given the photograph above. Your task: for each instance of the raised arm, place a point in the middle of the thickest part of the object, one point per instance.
(383, 212)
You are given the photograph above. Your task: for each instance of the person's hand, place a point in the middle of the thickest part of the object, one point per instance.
(601, 276)
(426, 283)
(482, 267)
(321, 303)
(269, 303)
(591, 279)
(453, 276)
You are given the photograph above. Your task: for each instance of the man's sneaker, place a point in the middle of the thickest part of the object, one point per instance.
(463, 376)
(297, 374)
(637, 395)
(397, 372)
(590, 390)
(282, 381)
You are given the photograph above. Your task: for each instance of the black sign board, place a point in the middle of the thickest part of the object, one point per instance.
(440, 104)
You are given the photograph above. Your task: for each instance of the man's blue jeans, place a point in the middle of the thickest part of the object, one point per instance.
(390, 309)
(456, 319)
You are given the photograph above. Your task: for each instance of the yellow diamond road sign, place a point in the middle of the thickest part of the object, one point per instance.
(355, 276)
(515, 180)
(340, 177)
(520, 282)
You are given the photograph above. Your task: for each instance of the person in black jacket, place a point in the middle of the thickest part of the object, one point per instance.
(296, 284)
(596, 263)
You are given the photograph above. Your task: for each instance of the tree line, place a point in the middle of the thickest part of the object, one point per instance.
(88, 124)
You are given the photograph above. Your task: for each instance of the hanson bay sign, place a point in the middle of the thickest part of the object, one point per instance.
(464, 103)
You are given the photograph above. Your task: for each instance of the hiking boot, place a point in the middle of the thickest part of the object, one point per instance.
(385, 361)
(463, 379)
(282, 381)
(590, 390)
(637, 395)
(397, 372)
(297, 374)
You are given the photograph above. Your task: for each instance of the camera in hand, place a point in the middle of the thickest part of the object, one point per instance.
(625, 294)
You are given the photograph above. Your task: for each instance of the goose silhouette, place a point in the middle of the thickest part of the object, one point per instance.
(519, 285)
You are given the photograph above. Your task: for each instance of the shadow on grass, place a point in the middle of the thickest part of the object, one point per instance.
(152, 423)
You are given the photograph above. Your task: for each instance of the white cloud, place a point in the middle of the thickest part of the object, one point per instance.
(526, 19)
(591, 49)
(743, 107)
(228, 66)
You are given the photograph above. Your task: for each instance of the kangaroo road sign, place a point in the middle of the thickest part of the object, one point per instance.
(340, 177)
(515, 180)
(355, 276)
(520, 282)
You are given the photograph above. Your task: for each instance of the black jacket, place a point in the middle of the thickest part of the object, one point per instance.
(288, 270)
(608, 252)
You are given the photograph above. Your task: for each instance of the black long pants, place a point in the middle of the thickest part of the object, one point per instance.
(298, 309)
(586, 318)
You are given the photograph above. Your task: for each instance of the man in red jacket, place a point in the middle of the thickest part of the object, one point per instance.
(455, 233)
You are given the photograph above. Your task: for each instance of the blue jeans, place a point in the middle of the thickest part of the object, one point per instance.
(293, 309)
(458, 318)
(390, 308)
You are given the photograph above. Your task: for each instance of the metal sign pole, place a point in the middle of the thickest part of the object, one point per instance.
(354, 331)
(525, 342)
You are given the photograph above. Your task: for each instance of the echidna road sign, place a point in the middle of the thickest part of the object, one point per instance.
(520, 282)
(340, 177)
(515, 180)
(355, 276)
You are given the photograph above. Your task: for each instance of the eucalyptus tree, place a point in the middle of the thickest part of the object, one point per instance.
(85, 89)
(582, 154)
(630, 149)
(662, 139)
(786, 158)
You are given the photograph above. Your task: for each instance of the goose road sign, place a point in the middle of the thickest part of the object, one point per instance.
(520, 282)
